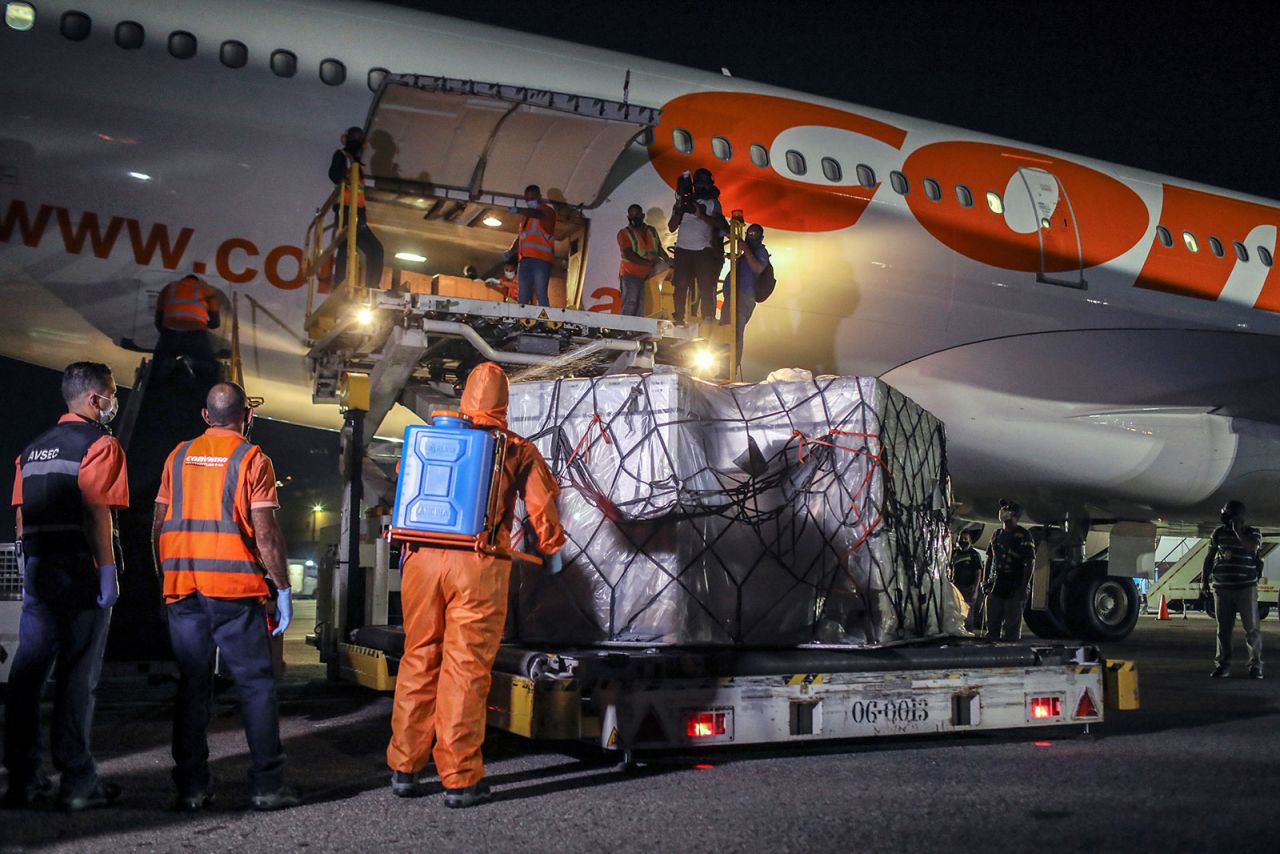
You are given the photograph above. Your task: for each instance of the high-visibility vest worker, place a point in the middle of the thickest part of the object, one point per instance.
(211, 484)
(352, 151)
(537, 238)
(187, 305)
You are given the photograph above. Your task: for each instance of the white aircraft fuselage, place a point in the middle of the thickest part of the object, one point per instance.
(1025, 295)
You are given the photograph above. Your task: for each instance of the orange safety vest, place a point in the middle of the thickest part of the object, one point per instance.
(536, 241)
(185, 305)
(346, 194)
(202, 545)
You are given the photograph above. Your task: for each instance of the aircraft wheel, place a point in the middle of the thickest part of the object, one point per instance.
(1047, 624)
(1102, 607)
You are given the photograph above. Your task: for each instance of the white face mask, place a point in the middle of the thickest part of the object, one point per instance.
(509, 274)
(1005, 515)
(105, 415)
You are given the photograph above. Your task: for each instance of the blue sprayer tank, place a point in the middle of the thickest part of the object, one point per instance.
(445, 472)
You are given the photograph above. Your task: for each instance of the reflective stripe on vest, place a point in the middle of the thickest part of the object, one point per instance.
(651, 238)
(211, 555)
(1234, 565)
(535, 241)
(184, 305)
(52, 505)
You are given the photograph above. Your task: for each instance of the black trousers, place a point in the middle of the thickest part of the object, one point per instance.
(368, 244)
(67, 641)
(198, 626)
(698, 268)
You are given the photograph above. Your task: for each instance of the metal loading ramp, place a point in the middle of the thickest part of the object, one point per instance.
(417, 349)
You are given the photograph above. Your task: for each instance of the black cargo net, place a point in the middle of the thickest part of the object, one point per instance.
(771, 514)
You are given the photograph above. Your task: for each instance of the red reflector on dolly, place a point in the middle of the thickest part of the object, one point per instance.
(1086, 708)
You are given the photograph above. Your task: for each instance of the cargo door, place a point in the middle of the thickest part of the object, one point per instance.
(1048, 211)
(465, 139)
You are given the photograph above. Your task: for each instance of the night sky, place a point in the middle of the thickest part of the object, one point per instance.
(1186, 89)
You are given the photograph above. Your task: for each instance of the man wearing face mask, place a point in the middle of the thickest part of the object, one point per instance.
(966, 567)
(508, 285)
(751, 264)
(699, 220)
(216, 538)
(1010, 559)
(535, 247)
(641, 251)
(352, 151)
(69, 481)
(1232, 567)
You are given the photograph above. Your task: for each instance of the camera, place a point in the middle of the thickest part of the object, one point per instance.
(685, 199)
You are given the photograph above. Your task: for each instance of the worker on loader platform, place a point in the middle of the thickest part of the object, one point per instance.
(455, 606)
(185, 312)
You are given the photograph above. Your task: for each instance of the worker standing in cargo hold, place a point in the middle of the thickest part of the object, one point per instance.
(1010, 558)
(69, 481)
(535, 247)
(352, 151)
(185, 312)
(216, 536)
(455, 605)
(1233, 567)
(641, 251)
(966, 567)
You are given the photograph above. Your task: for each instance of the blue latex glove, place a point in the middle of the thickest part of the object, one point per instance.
(284, 611)
(108, 586)
(553, 564)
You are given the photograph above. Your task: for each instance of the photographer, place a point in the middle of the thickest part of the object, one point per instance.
(700, 222)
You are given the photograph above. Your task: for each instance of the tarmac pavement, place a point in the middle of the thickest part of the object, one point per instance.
(1195, 769)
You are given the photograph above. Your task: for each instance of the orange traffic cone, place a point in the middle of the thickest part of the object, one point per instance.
(1164, 609)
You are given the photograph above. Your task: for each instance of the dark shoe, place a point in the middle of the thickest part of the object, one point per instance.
(102, 795)
(281, 799)
(468, 797)
(33, 796)
(193, 802)
(1221, 671)
(406, 785)
(1255, 672)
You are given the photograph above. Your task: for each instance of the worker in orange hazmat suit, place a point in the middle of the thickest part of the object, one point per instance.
(455, 606)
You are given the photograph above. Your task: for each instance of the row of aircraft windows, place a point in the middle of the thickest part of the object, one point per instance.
(1215, 246)
(130, 35)
(831, 170)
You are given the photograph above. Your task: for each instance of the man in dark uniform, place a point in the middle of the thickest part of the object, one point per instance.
(966, 567)
(352, 151)
(69, 481)
(1010, 559)
(1232, 566)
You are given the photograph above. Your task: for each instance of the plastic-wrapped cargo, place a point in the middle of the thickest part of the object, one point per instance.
(776, 514)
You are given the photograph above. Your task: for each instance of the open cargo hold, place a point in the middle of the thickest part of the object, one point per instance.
(774, 514)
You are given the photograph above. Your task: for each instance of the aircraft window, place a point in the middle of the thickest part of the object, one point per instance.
(1241, 252)
(19, 16)
(932, 191)
(76, 26)
(130, 35)
(1215, 246)
(795, 162)
(995, 202)
(831, 169)
(1190, 240)
(332, 72)
(683, 141)
(721, 148)
(376, 76)
(1166, 239)
(866, 176)
(182, 45)
(1264, 255)
(759, 155)
(234, 54)
(284, 63)
(899, 182)
(963, 196)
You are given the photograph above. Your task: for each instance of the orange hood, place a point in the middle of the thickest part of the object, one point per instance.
(484, 400)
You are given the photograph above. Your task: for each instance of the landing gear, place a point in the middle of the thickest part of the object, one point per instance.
(1101, 607)
(1083, 600)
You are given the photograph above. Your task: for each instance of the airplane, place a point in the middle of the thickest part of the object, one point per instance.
(1096, 338)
